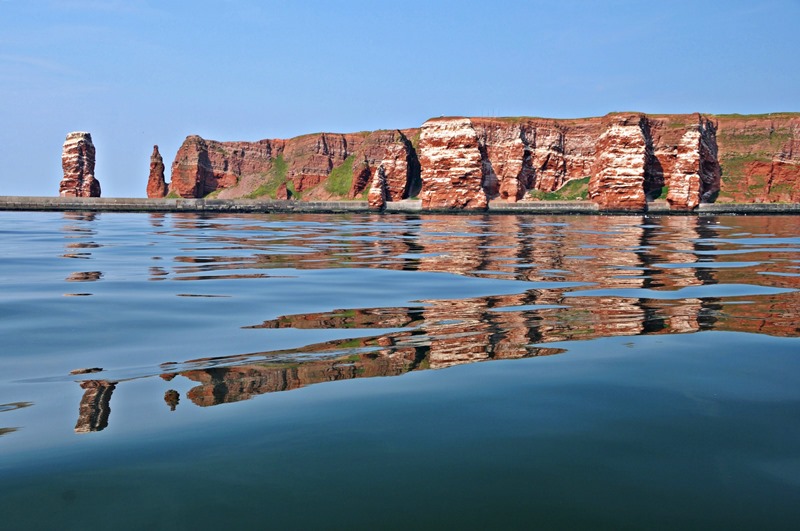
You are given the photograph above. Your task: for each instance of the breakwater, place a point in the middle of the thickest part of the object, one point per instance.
(121, 204)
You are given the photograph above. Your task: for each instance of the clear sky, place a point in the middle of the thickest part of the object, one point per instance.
(140, 72)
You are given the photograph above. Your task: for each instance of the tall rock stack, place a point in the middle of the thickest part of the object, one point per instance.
(377, 190)
(452, 165)
(77, 161)
(696, 176)
(156, 184)
(624, 150)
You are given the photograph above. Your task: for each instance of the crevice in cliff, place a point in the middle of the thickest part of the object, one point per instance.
(710, 171)
(489, 181)
(527, 174)
(413, 169)
(205, 174)
(653, 170)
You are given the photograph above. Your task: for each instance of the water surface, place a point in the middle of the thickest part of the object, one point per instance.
(364, 371)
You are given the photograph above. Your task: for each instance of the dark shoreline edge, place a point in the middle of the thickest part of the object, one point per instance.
(255, 206)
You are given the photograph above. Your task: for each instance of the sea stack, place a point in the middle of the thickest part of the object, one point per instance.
(77, 161)
(376, 197)
(156, 185)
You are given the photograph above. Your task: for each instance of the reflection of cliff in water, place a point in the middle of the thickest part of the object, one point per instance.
(241, 382)
(654, 257)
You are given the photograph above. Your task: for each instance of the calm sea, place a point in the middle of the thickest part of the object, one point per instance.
(179, 371)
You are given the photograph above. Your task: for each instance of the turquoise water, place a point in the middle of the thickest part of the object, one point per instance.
(188, 371)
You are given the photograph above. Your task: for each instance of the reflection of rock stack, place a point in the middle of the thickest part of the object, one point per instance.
(84, 276)
(232, 384)
(172, 398)
(95, 406)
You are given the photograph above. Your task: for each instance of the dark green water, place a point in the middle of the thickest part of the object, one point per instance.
(393, 372)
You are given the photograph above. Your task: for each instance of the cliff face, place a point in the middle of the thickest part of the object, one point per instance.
(695, 174)
(624, 154)
(467, 162)
(204, 166)
(77, 161)
(621, 161)
(760, 157)
(318, 166)
(452, 165)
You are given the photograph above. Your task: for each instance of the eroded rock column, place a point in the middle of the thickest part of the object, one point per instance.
(452, 175)
(696, 175)
(622, 155)
(156, 184)
(77, 161)
(377, 190)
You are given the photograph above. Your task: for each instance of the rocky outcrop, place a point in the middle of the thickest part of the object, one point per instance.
(760, 157)
(639, 155)
(395, 153)
(624, 155)
(300, 167)
(622, 161)
(77, 161)
(452, 165)
(377, 191)
(695, 177)
(204, 166)
(156, 184)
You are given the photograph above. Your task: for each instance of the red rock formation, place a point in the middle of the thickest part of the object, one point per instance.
(467, 162)
(452, 165)
(760, 157)
(394, 152)
(236, 169)
(695, 176)
(77, 161)
(377, 190)
(312, 157)
(204, 166)
(624, 150)
(156, 185)
(516, 155)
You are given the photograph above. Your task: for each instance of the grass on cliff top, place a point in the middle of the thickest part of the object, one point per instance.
(575, 190)
(758, 116)
(275, 177)
(340, 180)
(744, 140)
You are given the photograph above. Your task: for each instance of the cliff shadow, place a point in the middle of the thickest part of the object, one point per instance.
(414, 179)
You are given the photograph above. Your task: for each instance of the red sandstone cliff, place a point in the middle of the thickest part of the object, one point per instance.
(318, 166)
(621, 161)
(760, 157)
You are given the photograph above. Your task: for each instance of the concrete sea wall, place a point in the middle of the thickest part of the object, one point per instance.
(114, 204)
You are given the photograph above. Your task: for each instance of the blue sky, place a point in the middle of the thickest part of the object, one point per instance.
(138, 72)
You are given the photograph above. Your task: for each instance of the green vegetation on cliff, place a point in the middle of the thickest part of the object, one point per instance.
(274, 178)
(340, 180)
(575, 190)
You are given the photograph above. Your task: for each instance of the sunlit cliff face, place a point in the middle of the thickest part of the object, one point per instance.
(621, 162)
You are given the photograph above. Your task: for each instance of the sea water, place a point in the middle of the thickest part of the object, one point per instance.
(188, 371)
